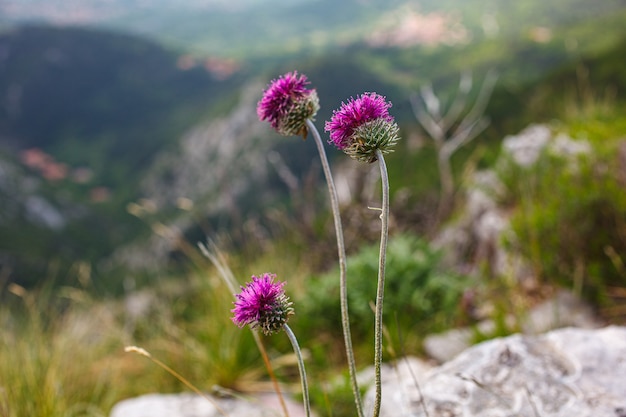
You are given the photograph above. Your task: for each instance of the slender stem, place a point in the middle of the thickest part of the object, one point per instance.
(343, 285)
(380, 292)
(305, 387)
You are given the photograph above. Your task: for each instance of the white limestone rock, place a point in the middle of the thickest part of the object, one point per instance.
(562, 310)
(526, 147)
(192, 405)
(563, 373)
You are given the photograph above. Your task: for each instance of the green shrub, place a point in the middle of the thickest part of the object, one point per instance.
(569, 218)
(419, 296)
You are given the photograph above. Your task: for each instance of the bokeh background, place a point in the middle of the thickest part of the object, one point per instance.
(128, 134)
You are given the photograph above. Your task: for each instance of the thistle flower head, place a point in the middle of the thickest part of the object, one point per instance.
(362, 126)
(287, 104)
(262, 304)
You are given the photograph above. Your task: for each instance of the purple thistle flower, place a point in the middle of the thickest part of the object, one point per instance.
(263, 304)
(354, 113)
(363, 125)
(287, 103)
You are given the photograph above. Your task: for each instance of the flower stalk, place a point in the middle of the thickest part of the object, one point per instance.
(343, 281)
(380, 291)
(365, 131)
(303, 380)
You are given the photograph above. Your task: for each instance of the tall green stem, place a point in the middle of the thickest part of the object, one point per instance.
(341, 249)
(305, 387)
(380, 291)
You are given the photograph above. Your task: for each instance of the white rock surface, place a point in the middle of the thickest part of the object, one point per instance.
(562, 310)
(563, 373)
(192, 405)
(526, 146)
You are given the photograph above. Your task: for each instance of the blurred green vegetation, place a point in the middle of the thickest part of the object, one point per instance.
(420, 297)
(569, 213)
(99, 101)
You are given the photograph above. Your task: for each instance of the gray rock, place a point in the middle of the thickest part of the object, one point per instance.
(41, 211)
(526, 147)
(562, 310)
(563, 373)
(192, 405)
(483, 224)
(444, 346)
(401, 380)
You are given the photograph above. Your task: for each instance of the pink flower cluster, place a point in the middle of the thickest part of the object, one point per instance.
(353, 114)
(262, 304)
(287, 103)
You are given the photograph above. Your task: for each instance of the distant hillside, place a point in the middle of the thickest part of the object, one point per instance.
(70, 91)
(267, 29)
(83, 114)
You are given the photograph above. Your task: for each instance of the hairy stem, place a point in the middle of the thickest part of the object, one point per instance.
(341, 249)
(305, 387)
(380, 291)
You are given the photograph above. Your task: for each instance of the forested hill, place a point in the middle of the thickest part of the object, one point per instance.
(70, 91)
(83, 113)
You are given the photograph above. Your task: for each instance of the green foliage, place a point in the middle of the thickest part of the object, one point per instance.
(87, 97)
(333, 398)
(419, 296)
(570, 216)
(61, 352)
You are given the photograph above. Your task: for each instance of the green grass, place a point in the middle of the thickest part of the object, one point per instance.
(57, 364)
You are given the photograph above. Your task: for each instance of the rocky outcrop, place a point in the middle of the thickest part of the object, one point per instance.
(192, 405)
(563, 373)
(562, 310)
(22, 195)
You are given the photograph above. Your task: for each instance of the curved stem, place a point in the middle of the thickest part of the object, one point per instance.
(380, 291)
(305, 387)
(341, 249)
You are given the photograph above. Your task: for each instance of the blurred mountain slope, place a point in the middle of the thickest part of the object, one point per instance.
(82, 115)
(272, 28)
(92, 121)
